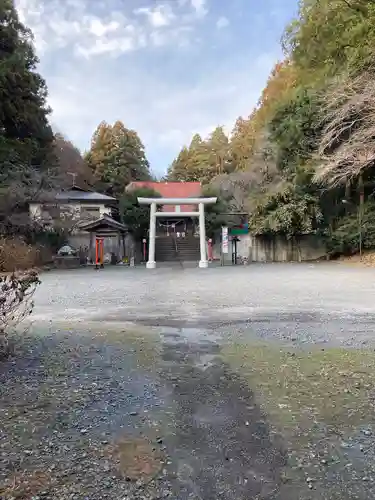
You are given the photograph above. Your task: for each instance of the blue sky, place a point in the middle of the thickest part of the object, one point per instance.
(166, 68)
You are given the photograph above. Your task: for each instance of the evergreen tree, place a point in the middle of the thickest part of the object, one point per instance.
(177, 171)
(134, 215)
(25, 135)
(26, 138)
(117, 157)
(218, 153)
(202, 160)
(189, 163)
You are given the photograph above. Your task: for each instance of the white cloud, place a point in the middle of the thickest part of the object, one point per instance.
(73, 24)
(158, 16)
(98, 28)
(166, 116)
(222, 22)
(200, 7)
(112, 47)
(164, 104)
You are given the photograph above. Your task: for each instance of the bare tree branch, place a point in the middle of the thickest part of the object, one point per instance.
(347, 146)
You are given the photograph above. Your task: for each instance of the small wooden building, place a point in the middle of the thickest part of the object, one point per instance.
(112, 233)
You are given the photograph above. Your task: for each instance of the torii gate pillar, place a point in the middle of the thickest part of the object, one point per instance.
(151, 264)
(202, 237)
(153, 202)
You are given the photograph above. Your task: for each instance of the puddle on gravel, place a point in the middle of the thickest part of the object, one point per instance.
(188, 335)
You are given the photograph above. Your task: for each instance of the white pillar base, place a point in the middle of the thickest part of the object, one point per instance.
(150, 264)
(203, 264)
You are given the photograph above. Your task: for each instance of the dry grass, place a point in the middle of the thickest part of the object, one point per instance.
(15, 254)
(143, 341)
(367, 259)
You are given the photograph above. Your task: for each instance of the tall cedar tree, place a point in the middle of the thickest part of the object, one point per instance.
(203, 159)
(117, 157)
(25, 135)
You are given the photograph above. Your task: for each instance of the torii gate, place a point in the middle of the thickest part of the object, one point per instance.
(153, 202)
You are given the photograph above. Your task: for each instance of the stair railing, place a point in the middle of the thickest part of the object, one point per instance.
(177, 253)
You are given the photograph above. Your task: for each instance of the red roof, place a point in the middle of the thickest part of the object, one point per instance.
(171, 190)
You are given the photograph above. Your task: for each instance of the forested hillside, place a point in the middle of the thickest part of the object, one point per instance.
(32, 158)
(303, 161)
(35, 161)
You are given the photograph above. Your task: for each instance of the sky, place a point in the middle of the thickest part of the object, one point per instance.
(166, 68)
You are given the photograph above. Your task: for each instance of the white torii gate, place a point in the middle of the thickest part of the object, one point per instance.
(153, 202)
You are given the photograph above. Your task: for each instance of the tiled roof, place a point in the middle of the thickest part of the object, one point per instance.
(106, 220)
(171, 190)
(83, 196)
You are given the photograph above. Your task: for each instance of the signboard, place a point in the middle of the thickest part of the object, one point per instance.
(224, 240)
(240, 229)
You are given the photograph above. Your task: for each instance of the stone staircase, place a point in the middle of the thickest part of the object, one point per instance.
(170, 249)
(165, 250)
(188, 249)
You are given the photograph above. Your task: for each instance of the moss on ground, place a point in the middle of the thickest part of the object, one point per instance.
(303, 392)
(144, 344)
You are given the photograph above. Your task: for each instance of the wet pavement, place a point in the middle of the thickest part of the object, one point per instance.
(121, 391)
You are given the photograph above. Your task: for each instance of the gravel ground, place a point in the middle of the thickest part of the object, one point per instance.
(119, 390)
(316, 302)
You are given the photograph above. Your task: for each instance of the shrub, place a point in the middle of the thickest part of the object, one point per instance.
(344, 240)
(15, 254)
(16, 292)
(52, 239)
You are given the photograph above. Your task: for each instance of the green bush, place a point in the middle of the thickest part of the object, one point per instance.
(345, 238)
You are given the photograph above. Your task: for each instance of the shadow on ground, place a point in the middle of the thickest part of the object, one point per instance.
(222, 447)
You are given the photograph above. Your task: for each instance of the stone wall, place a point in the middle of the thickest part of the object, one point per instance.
(277, 249)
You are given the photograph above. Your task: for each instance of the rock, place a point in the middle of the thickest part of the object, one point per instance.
(133, 413)
(367, 432)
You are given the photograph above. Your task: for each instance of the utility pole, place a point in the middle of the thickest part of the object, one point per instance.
(360, 211)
